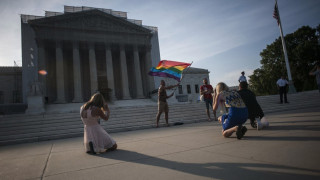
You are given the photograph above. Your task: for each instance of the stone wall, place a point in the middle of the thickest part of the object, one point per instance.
(10, 89)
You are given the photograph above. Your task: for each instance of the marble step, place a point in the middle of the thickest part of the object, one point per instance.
(74, 131)
(31, 128)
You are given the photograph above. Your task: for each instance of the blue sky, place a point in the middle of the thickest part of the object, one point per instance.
(223, 36)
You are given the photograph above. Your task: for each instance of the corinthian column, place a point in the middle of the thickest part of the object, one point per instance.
(124, 73)
(93, 69)
(42, 66)
(148, 61)
(60, 74)
(137, 72)
(110, 77)
(76, 74)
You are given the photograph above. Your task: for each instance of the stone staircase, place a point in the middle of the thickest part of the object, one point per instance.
(297, 101)
(32, 128)
(54, 125)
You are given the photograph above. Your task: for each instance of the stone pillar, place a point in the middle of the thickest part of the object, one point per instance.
(137, 72)
(42, 66)
(148, 61)
(109, 69)
(76, 73)
(60, 74)
(124, 73)
(35, 99)
(93, 69)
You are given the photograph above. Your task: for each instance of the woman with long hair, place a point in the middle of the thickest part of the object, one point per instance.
(238, 112)
(96, 139)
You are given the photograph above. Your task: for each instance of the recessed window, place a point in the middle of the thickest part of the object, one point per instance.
(1, 97)
(16, 97)
(189, 89)
(196, 87)
(180, 89)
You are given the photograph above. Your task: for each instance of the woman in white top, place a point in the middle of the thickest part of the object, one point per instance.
(96, 139)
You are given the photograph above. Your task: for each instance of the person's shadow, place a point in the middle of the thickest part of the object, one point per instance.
(218, 170)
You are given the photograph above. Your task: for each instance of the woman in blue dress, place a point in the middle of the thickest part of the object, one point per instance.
(238, 112)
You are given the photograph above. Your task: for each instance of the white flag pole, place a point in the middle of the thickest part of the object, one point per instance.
(182, 75)
(185, 71)
(292, 89)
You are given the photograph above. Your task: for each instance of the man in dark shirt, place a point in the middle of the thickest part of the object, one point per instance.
(162, 101)
(249, 98)
(206, 91)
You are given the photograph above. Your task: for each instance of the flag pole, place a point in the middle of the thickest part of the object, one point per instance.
(292, 89)
(182, 75)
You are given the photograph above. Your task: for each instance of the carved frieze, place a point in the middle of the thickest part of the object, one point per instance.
(90, 21)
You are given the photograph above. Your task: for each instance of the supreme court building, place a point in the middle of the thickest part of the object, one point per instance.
(84, 50)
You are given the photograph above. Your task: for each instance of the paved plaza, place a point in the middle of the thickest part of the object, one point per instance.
(288, 149)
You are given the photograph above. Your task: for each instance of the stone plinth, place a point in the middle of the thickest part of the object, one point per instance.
(35, 104)
(35, 99)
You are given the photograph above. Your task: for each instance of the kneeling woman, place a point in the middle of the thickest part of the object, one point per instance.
(238, 112)
(96, 139)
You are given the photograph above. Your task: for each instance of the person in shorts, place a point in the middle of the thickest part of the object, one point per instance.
(162, 101)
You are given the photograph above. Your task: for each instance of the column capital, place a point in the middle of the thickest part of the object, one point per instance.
(91, 44)
(135, 47)
(107, 45)
(40, 42)
(75, 43)
(122, 46)
(58, 43)
(148, 47)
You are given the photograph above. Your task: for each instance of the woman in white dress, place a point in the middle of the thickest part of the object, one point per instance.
(96, 139)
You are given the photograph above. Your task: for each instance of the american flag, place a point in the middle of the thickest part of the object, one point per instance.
(276, 13)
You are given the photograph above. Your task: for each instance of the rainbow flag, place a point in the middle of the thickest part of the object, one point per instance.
(171, 69)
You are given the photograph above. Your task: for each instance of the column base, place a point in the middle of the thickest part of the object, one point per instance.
(140, 97)
(126, 98)
(77, 100)
(59, 101)
(35, 105)
(113, 98)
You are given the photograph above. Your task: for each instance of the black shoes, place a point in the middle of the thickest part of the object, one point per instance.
(253, 124)
(241, 131)
(244, 130)
(91, 148)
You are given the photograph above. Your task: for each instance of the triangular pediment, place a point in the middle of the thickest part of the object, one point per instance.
(95, 20)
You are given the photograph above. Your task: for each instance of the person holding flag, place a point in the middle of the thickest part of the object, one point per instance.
(171, 69)
(162, 101)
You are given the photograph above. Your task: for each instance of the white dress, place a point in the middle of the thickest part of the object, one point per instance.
(94, 132)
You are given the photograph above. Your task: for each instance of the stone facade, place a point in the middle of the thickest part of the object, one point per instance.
(85, 50)
(189, 88)
(10, 89)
